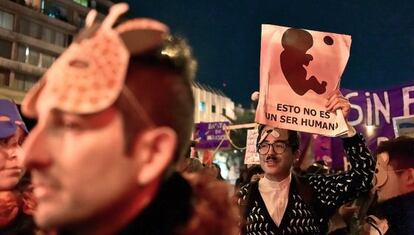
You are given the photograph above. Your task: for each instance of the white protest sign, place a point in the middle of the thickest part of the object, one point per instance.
(299, 69)
(251, 156)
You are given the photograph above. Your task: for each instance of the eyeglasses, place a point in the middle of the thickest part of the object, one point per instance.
(279, 147)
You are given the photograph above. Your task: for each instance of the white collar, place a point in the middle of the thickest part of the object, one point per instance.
(278, 185)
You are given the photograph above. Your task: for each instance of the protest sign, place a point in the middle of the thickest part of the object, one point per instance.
(299, 69)
(251, 156)
(209, 135)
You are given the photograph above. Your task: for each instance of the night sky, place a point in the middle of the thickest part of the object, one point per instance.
(225, 36)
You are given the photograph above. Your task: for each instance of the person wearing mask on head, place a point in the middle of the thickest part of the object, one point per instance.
(115, 115)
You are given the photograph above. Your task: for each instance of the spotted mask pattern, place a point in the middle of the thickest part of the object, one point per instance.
(89, 76)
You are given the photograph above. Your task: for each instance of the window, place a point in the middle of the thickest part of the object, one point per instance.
(33, 57)
(23, 82)
(27, 55)
(46, 60)
(55, 10)
(60, 39)
(30, 28)
(47, 35)
(82, 2)
(213, 108)
(54, 37)
(6, 20)
(223, 111)
(21, 54)
(4, 77)
(202, 106)
(5, 49)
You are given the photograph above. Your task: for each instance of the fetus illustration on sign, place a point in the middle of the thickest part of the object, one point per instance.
(294, 59)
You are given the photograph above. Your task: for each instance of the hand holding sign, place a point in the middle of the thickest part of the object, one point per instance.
(337, 101)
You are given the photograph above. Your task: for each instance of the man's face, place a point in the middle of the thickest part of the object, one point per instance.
(276, 165)
(79, 167)
(386, 181)
(11, 164)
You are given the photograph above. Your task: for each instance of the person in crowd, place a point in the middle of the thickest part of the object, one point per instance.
(286, 202)
(247, 175)
(16, 198)
(115, 115)
(394, 184)
(254, 173)
(190, 165)
(213, 170)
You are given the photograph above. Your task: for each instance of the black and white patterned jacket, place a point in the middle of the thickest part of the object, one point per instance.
(312, 198)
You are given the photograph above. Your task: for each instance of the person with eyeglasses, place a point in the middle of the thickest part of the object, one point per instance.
(287, 202)
(394, 185)
(115, 116)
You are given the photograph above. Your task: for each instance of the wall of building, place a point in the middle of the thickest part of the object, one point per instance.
(33, 34)
(211, 105)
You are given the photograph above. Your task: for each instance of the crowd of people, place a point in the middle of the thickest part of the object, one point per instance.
(108, 154)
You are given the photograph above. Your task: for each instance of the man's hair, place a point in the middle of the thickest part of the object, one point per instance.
(293, 138)
(160, 81)
(400, 151)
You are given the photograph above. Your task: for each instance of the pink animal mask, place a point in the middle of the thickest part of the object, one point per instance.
(89, 76)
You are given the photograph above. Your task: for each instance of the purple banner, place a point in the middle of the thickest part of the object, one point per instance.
(372, 113)
(209, 135)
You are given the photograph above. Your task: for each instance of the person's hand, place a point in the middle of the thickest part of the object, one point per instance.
(256, 177)
(337, 101)
(348, 210)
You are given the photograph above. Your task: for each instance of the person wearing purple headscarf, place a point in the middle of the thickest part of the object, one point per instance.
(16, 199)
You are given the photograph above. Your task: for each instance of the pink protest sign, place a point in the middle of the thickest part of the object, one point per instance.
(298, 70)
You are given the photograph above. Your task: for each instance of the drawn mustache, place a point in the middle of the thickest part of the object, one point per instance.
(271, 157)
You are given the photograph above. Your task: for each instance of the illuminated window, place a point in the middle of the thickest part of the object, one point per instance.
(82, 2)
(202, 106)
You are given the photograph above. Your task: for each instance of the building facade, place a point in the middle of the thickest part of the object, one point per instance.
(33, 33)
(211, 105)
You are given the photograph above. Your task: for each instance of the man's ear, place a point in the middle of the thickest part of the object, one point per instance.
(154, 150)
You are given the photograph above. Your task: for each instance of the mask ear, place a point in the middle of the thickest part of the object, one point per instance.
(154, 151)
(381, 174)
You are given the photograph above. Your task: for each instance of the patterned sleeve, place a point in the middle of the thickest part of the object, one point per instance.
(241, 195)
(334, 190)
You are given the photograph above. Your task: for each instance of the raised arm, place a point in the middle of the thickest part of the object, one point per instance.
(334, 190)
